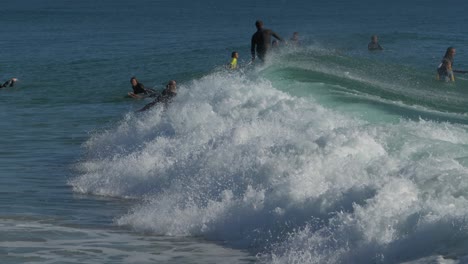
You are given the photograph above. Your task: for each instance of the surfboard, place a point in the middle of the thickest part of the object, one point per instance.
(151, 93)
(137, 96)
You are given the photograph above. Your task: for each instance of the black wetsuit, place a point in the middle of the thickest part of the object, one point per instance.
(261, 42)
(165, 97)
(139, 88)
(9, 83)
(374, 46)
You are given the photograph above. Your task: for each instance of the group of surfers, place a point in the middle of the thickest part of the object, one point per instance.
(260, 45)
(445, 71)
(165, 97)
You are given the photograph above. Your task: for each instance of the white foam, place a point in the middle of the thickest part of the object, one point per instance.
(38, 242)
(233, 158)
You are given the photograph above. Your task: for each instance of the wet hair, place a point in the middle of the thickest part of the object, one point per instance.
(447, 53)
(133, 78)
(170, 83)
(172, 86)
(373, 36)
(233, 54)
(259, 23)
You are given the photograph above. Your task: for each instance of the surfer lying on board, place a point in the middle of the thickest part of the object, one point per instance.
(165, 97)
(9, 83)
(445, 70)
(139, 90)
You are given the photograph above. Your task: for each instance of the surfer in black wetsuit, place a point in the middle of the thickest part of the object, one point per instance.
(139, 90)
(374, 44)
(9, 83)
(165, 97)
(261, 41)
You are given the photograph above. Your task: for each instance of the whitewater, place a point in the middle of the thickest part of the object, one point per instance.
(326, 153)
(236, 159)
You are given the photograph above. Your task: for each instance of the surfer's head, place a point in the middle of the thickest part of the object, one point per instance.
(450, 53)
(172, 86)
(295, 36)
(259, 24)
(134, 81)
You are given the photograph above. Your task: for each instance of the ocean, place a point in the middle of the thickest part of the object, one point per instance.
(325, 153)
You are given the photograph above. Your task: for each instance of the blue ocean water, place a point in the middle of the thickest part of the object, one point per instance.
(326, 153)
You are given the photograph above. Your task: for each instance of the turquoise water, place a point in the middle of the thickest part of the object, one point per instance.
(324, 154)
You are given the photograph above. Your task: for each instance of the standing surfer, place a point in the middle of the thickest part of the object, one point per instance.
(261, 41)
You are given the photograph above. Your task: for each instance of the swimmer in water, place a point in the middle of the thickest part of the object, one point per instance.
(233, 63)
(374, 44)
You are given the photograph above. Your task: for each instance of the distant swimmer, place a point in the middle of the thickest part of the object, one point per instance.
(9, 83)
(294, 40)
(374, 44)
(261, 41)
(274, 44)
(444, 70)
(139, 90)
(165, 97)
(233, 64)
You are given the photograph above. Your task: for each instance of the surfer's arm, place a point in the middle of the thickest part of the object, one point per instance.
(276, 36)
(148, 106)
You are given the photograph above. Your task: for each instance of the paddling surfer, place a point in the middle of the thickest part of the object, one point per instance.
(165, 97)
(139, 89)
(9, 83)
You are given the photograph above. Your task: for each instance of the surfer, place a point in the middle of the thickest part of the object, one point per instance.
(261, 41)
(374, 44)
(138, 89)
(444, 70)
(165, 97)
(233, 64)
(294, 40)
(274, 44)
(9, 83)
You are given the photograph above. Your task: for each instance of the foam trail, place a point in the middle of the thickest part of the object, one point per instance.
(38, 242)
(235, 159)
